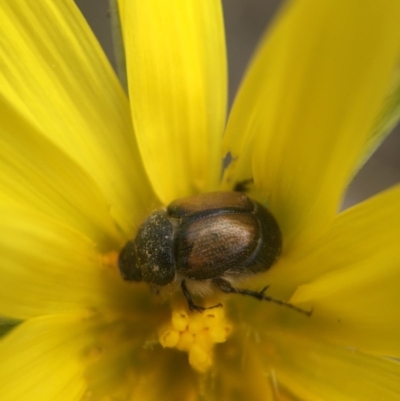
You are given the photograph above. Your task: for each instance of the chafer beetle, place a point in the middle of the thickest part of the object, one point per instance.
(212, 238)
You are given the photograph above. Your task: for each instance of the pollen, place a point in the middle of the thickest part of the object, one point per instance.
(196, 334)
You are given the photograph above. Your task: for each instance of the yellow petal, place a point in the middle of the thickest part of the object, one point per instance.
(47, 267)
(55, 74)
(310, 369)
(355, 292)
(35, 173)
(118, 45)
(305, 112)
(177, 88)
(366, 235)
(241, 374)
(40, 360)
(387, 120)
(275, 363)
(121, 9)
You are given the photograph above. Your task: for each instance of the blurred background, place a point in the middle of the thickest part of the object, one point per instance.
(245, 21)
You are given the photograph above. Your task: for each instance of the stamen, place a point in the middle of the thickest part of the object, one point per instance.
(196, 334)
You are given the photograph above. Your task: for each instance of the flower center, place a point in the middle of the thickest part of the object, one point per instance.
(196, 334)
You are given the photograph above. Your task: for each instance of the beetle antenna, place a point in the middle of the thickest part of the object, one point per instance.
(225, 286)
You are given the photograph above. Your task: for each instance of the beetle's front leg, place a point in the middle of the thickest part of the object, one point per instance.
(191, 304)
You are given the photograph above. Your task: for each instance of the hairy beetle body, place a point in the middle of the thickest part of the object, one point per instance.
(202, 237)
(209, 239)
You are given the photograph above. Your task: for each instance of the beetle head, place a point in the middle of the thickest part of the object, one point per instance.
(128, 264)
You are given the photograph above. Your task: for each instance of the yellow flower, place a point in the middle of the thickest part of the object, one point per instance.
(81, 167)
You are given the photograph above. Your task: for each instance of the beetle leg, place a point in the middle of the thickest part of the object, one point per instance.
(225, 286)
(191, 304)
(243, 186)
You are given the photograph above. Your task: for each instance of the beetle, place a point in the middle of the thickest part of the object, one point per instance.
(213, 238)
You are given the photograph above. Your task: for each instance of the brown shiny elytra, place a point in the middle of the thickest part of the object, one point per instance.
(211, 238)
